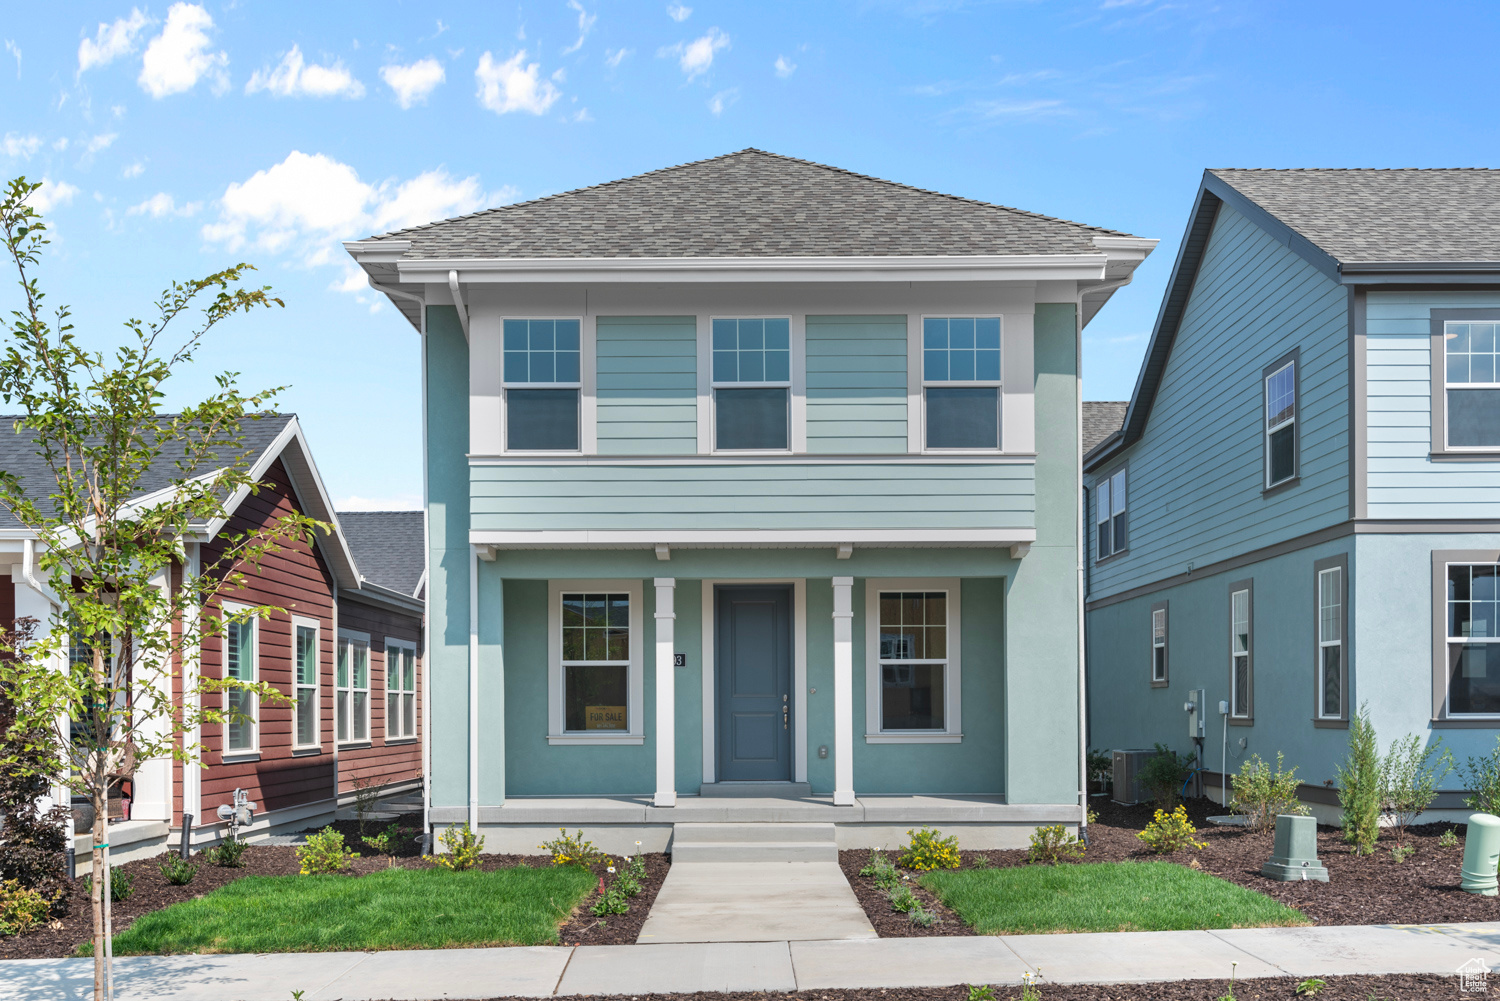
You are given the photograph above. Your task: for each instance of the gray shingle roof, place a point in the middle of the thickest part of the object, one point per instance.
(388, 547)
(1370, 216)
(748, 204)
(18, 454)
(1100, 420)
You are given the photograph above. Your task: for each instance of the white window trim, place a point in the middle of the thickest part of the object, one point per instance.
(1105, 513)
(587, 411)
(952, 732)
(796, 386)
(635, 732)
(1162, 646)
(919, 369)
(1235, 712)
(391, 643)
(1450, 640)
(317, 685)
(1324, 643)
(352, 637)
(1291, 422)
(1447, 410)
(253, 751)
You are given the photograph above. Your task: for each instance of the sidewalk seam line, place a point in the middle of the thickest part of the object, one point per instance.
(1235, 945)
(796, 984)
(1005, 939)
(342, 973)
(557, 987)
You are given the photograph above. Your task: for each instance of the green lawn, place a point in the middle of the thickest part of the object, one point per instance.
(394, 909)
(1103, 896)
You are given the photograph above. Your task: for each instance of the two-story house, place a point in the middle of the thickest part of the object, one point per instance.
(1298, 513)
(752, 495)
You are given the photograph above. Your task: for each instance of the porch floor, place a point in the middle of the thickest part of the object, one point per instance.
(929, 809)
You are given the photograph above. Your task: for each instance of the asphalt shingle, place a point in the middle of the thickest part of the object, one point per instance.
(388, 547)
(1100, 420)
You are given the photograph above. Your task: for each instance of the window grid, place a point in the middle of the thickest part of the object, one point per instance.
(542, 352)
(752, 351)
(1239, 654)
(400, 691)
(1473, 608)
(596, 661)
(352, 698)
(1110, 516)
(1159, 644)
(913, 660)
(305, 682)
(1472, 383)
(1330, 643)
(1281, 418)
(961, 380)
(239, 664)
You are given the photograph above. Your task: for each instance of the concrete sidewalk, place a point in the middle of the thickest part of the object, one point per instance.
(767, 966)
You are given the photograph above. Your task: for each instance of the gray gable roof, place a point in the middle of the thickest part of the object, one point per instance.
(748, 204)
(388, 547)
(18, 454)
(1100, 420)
(1384, 216)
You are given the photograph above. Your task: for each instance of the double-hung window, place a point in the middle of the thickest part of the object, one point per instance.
(912, 685)
(542, 384)
(1331, 669)
(1280, 383)
(1241, 681)
(240, 730)
(352, 701)
(596, 661)
(752, 383)
(400, 690)
(961, 382)
(1109, 514)
(1472, 384)
(1473, 640)
(305, 712)
(1159, 644)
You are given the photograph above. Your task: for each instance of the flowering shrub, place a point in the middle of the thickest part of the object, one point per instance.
(1168, 832)
(324, 853)
(1052, 844)
(928, 849)
(461, 848)
(572, 850)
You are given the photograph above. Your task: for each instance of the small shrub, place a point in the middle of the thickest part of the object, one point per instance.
(884, 872)
(921, 916)
(1261, 794)
(324, 853)
(21, 908)
(227, 854)
(461, 848)
(903, 900)
(1100, 768)
(121, 884)
(1359, 785)
(981, 862)
(367, 793)
(1482, 776)
(1091, 816)
(380, 842)
(1164, 773)
(929, 850)
(178, 870)
(632, 873)
(981, 992)
(1312, 986)
(1403, 852)
(1448, 840)
(572, 850)
(1408, 780)
(611, 901)
(1168, 832)
(1052, 844)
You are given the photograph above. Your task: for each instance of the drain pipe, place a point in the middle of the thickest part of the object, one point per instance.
(1083, 734)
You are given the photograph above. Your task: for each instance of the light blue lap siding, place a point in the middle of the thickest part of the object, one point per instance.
(771, 497)
(1404, 482)
(856, 384)
(1196, 476)
(647, 385)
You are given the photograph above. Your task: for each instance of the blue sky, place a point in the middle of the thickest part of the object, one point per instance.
(178, 138)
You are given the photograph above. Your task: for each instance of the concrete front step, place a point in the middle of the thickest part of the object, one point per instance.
(763, 842)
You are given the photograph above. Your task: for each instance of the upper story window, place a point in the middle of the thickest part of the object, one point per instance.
(1281, 422)
(752, 383)
(305, 711)
(1473, 602)
(961, 381)
(240, 732)
(1110, 518)
(542, 383)
(1472, 386)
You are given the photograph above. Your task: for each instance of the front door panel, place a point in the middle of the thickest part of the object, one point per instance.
(753, 626)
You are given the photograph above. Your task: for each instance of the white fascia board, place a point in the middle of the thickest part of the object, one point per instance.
(377, 251)
(1124, 246)
(752, 538)
(996, 267)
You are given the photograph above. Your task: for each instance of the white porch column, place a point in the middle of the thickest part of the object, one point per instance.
(843, 691)
(666, 694)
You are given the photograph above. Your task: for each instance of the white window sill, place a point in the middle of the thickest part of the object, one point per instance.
(914, 738)
(396, 741)
(563, 739)
(354, 745)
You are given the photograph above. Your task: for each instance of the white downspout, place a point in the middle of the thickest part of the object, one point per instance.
(473, 688)
(1083, 722)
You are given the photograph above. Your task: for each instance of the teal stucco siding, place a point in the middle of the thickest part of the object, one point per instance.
(647, 385)
(856, 384)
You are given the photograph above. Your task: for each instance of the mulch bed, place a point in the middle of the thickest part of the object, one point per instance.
(1370, 889)
(152, 892)
(1388, 988)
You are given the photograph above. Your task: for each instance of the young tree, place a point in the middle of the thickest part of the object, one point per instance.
(1359, 785)
(97, 677)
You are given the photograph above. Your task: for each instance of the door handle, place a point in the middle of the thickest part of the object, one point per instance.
(784, 711)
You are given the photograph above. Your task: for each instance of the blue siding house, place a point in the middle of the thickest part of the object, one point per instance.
(1298, 511)
(752, 495)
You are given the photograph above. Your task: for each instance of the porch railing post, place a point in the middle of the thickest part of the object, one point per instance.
(843, 691)
(666, 695)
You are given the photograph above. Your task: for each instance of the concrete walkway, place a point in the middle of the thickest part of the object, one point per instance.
(755, 902)
(767, 966)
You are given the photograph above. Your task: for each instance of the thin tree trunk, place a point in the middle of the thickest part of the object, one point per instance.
(96, 890)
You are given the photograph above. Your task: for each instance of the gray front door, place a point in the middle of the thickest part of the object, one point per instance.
(753, 626)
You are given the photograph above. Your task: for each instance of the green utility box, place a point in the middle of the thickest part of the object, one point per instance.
(1481, 852)
(1295, 856)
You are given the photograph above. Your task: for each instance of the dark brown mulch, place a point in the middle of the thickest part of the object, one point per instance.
(1387, 988)
(152, 892)
(889, 923)
(1369, 889)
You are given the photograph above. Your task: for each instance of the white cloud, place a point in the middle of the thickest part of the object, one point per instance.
(697, 56)
(582, 115)
(585, 23)
(60, 144)
(102, 141)
(14, 50)
(678, 12)
(785, 67)
(51, 194)
(613, 57)
(413, 83)
(292, 77)
(162, 204)
(510, 86)
(312, 200)
(111, 41)
(134, 170)
(18, 145)
(178, 58)
(723, 99)
(352, 281)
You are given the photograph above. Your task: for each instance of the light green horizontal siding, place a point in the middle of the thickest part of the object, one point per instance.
(856, 384)
(576, 496)
(647, 390)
